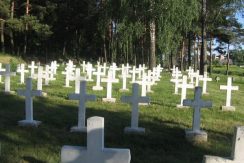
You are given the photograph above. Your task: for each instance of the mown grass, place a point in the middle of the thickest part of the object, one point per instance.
(163, 142)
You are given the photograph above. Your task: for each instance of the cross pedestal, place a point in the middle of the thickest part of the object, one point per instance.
(228, 89)
(82, 97)
(95, 151)
(195, 134)
(237, 150)
(29, 93)
(134, 100)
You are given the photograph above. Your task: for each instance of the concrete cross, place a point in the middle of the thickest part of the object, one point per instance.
(89, 70)
(184, 87)
(197, 104)
(82, 97)
(229, 88)
(22, 72)
(133, 71)
(205, 79)
(95, 152)
(29, 93)
(109, 81)
(124, 76)
(237, 150)
(77, 78)
(98, 73)
(114, 68)
(177, 81)
(1, 69)
(32, 67)
(7, 74)
(134, 100)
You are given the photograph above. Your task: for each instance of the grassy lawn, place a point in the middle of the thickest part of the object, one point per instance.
(163, 142)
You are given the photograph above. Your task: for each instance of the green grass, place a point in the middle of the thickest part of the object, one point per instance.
(163, 142)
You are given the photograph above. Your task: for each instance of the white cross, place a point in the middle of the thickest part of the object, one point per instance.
(89, 70)
(47, 75)
(176, 74)
(32, 67)
(82, 97)
(7, 74)
(177, 81)
(98, 86)
(29, 93)
(109, 81)
(68, 75)
(205, 79)
(237, 150)
(22, 72)
(134, 100)
(228, 89)
(77, 78)
(95, 152)
(184, 87)
(133, 71)
(114, 68)
(197, 104)
(39, 78)
(124, 76)
(83, 66)
(1, 69)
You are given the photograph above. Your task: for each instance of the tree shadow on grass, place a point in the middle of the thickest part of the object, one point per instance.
(32, 159)
(163, 141)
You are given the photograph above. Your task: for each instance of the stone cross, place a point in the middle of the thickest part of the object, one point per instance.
(237, 150)
(95, 152)
(114, 68)
(104, 69)
(134, 100)
(177, 81)
(197, 104)
(1, 69)
(98, 73)
(124, 76)
(46, 75)
(176, 73)
(133, 71)
(29, 93)
(228, 89)
(109, 81)
(184, 87)
(68, 75)
(82, 97)
(83, 66)
(22, 72)
(205, 79)
(32, 67)
(77, 78)
(7, 75)
(89, 70)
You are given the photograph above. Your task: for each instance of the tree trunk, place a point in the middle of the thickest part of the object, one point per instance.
(189, 49)
(2, 35)
(104, 49)
(228, 59)
(26, 26)
(211, 57)
(11, 32)
(182, 55)
(203, 35)
(152, 44)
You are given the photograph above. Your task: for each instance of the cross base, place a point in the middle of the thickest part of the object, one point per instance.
(67, 86)
(89, 80)
(124, 90)
(97, 88)
(78, 129)
(134, 130)
(180, 106)
(109, 100)
(32, 123)
(196, 136)
(228, 108)
(215, 159)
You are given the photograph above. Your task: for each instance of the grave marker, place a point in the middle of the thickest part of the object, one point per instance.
(195, 134)
(1, 70)
(22, 72)
(237, 150)
(228, 89)
(205, 79)
(32, 67)
(29, 93)
(7, 74)
(109, 81)
(134, 100)
(95, 151)
(82, 97)
(99, 73)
